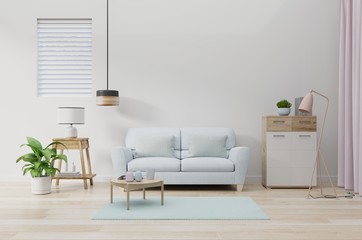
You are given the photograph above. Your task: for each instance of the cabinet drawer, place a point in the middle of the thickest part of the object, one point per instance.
(302, 124)
(279, 140)
(290, 123)
(278, 124)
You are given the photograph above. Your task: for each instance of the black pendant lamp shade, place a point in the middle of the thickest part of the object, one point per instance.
(107, 97)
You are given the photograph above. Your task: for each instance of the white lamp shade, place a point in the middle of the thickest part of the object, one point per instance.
(71, 115)
(307, 103)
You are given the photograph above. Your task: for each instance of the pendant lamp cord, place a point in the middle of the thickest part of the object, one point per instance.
(107, 46)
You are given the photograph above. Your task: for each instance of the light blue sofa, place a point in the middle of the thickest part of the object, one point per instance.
(184, 155)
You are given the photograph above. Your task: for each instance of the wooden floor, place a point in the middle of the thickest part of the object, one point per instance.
(67, 212)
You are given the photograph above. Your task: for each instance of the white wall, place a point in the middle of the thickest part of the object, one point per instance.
(176, 63)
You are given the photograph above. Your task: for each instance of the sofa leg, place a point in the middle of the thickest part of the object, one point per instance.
(239, 187)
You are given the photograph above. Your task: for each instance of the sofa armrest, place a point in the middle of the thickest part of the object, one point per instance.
(240, 156)
(120, 157)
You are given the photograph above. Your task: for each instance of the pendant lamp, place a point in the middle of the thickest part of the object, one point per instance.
(107, 97)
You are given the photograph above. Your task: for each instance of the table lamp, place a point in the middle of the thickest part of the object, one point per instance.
(71, 115)
(306, 106)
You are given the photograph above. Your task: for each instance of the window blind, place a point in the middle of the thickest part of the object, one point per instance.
(64, 57)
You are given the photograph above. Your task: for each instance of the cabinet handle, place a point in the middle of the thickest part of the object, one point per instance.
(279, 121)
(305, 122)
(305, 135)
(278, 135)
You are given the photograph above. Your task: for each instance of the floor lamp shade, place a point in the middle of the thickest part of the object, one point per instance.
(307, 103)
(71, 115)
(107, 98)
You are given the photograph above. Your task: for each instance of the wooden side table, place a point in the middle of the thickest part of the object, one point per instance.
(78, 144)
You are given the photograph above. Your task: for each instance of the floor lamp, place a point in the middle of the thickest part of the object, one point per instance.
(306, 106)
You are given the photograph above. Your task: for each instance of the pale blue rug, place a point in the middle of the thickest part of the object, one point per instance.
(183, 208)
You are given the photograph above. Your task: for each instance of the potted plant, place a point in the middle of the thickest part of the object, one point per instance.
(40, 164)
(283, 107)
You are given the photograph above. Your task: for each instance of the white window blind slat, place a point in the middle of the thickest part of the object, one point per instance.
(65, 81)
(64, 57)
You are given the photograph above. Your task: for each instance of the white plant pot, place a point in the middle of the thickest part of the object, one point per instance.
(283, 111)
(41, 185)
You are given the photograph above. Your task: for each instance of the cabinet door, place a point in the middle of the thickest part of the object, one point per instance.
(290, 158)
(279, 140)
(278, 152)
(301, 177)
(304, 140)
(278, 149)
(279, 177)
(304, 155)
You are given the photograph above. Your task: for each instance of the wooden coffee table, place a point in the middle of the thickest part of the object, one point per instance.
(129, 186)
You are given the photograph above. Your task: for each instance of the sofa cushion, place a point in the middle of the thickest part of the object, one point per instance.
(160, 164)
(207, 164)
(207, 146)
(187, 134)
(134, 133)
(154, 146)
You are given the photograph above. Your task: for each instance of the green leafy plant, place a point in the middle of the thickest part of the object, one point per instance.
(284, 104)
(41, 160)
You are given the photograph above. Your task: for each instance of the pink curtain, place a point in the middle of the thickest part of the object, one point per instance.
(350, 97)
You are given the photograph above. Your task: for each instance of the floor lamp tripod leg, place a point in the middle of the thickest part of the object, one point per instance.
(329, 177)
(311, 180)
(319, 167)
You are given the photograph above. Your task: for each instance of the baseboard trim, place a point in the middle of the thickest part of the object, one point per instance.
(107, 178)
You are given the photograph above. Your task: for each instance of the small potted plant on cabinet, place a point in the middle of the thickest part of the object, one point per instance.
(283, 107)
(40, 164)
